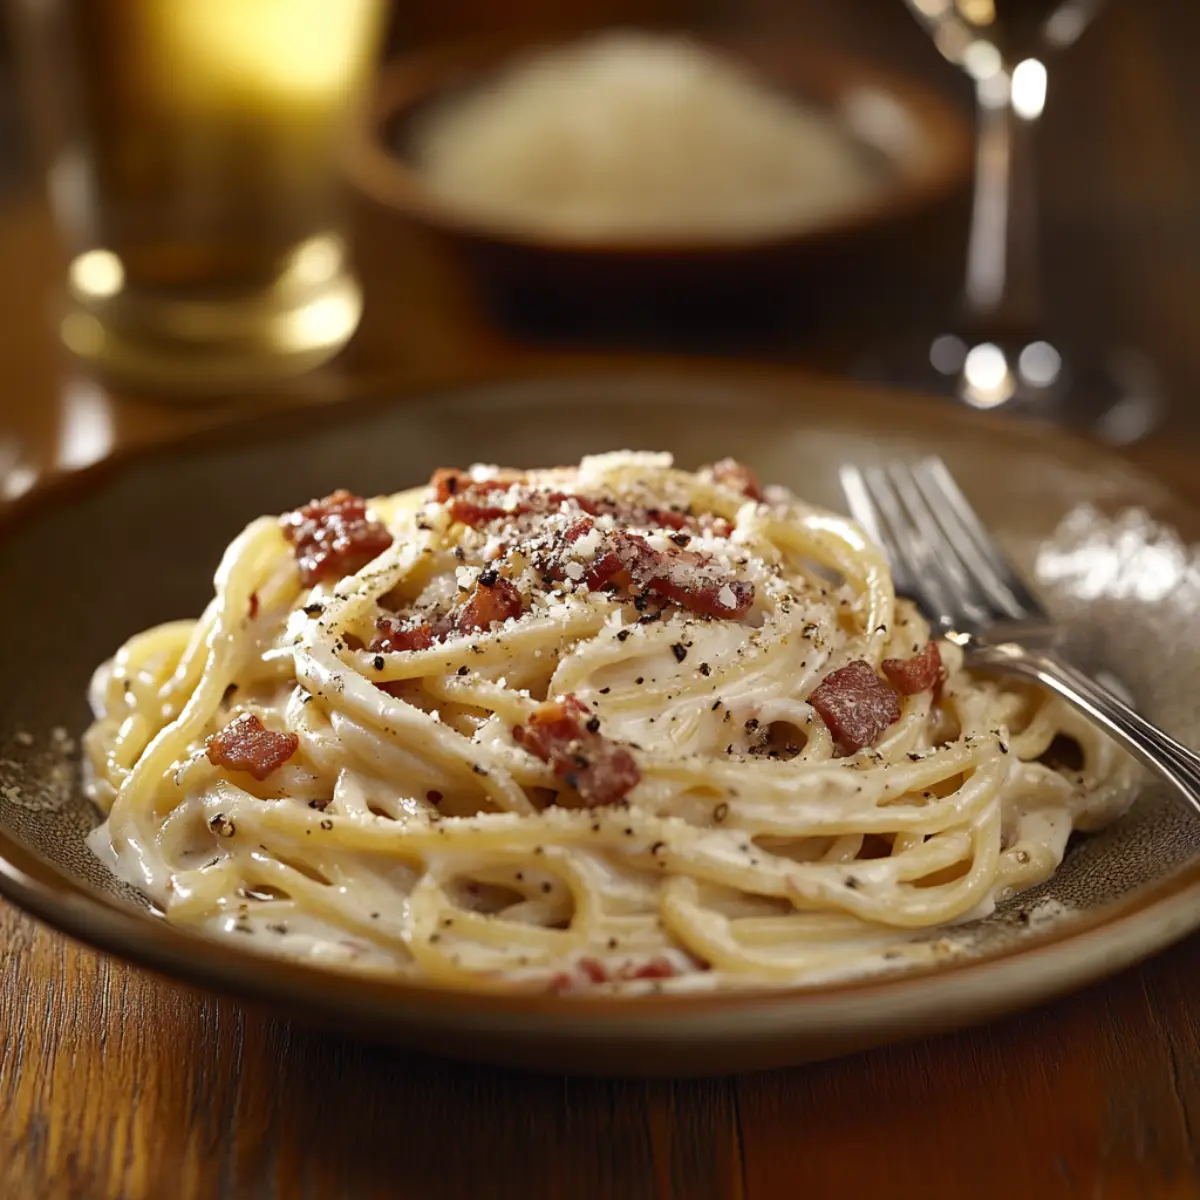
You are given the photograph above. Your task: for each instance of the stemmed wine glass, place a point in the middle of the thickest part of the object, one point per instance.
(997, 352)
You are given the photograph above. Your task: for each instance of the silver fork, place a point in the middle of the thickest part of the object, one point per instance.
(944, 559)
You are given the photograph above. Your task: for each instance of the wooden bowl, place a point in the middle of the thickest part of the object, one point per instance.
(920, 140)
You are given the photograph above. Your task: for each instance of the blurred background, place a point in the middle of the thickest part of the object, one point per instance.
(1118, 186)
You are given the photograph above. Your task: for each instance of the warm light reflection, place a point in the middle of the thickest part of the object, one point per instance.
(947, 354)
(1029, 89)
(18, 481)
(1039, 364)
(96, 275)
(82, 334)
(316, 260)
(931, 8)
(987, 380)
(86, 435)
(978, 12)
(1067, 23)
(326, 322)
(981, 60)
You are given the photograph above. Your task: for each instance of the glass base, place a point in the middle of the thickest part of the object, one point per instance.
(1113, 395)
(200, 347)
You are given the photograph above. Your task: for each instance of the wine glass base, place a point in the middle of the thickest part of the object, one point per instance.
(1113, 395)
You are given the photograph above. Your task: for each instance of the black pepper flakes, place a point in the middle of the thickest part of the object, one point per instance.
(378, 662)
(313, 610)
(327, 825)
(622, 635)
(463, 670)
(593, 725)
(851, 882)
(705, 669)
(680, 651)
(489, 578)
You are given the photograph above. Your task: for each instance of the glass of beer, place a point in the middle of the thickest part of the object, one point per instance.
(193, 151)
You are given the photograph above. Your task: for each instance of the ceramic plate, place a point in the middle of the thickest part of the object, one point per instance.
(83, 566)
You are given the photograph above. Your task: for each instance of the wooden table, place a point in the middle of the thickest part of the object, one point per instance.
(114, 1083)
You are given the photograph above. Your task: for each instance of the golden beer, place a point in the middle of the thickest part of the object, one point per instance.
(194, 171)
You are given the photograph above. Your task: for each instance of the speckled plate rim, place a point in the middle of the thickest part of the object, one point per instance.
(754, 1029)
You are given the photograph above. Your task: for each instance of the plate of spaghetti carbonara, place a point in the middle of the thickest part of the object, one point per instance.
(615, 727)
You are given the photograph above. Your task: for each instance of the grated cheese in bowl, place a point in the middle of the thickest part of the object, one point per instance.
(639, 137)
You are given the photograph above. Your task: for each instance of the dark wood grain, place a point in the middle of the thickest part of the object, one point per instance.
(114, 1083)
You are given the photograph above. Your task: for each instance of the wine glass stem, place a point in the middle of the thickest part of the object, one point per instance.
(1001, 289)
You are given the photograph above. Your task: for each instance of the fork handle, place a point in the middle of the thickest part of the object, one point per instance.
(1173, 762)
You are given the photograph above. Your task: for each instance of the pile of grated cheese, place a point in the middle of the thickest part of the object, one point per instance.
(637, 137)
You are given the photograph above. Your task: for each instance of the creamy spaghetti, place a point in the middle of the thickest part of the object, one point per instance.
(616, 726)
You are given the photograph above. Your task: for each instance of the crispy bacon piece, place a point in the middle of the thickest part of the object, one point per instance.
(245, 744)
(680, 576)
(732, 474)
(477, 502)
(917, 674)
(333, 537)
(590, 971)
(566, 734)
(392, 637)
(492, 601)
(856, 705)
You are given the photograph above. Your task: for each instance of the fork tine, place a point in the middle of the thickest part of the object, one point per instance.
(864, 510)
(963, 529)
(916, 572)
(969, 604)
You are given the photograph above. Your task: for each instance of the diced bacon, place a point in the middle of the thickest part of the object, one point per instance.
(493, 600)
(589, 971)
(732, 474)
(449, 481)
(679, 576)
(729, 600)
(566, 734)
(594, 969)
(245, 744)
(333, 537)
(856, 705)
(670, 518)
(917, 674)
(392, 637)
(477, 502)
